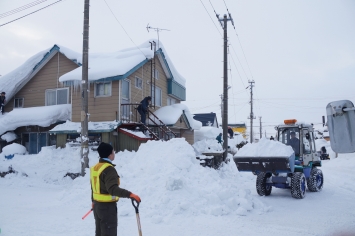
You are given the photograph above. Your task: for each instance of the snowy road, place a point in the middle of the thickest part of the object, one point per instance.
(33, 207)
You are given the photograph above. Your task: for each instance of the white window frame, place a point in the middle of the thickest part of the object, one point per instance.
(137, 79)
(170, 100)
(56, 90)
(104, 95)
(155, 74)
(161, 96)
(23, 102)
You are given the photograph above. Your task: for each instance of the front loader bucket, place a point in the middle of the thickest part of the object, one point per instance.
(266, 164)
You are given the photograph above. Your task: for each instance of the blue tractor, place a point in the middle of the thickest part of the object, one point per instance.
(295, 172)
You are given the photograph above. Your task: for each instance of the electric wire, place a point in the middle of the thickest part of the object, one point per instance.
(29, 5)
(123, 28)
(30, 13)
(211, 17)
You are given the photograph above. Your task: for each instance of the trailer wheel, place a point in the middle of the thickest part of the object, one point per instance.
(298, 185)
(315, 180)
(261, 187)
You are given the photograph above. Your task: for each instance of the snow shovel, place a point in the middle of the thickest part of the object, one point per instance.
(137, 216)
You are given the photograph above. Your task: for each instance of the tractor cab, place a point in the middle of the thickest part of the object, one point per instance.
(300, 137)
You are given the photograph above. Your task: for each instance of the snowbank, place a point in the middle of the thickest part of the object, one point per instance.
(166, 175)
(265, 148)
(13, 148)
(207, 132)
(208, 146)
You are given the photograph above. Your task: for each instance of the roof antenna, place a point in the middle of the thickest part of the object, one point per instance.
(157, 30)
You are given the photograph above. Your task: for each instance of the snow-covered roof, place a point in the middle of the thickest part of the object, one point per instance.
(169, 115)
(94, 127)
(9, 136)
(41, 116)
(12, 82)
(120, 64)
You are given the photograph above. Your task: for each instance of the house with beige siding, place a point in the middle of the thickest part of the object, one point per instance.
(35, 84)
(118, 81)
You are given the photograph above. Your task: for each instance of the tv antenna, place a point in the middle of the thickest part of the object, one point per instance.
(157, 30)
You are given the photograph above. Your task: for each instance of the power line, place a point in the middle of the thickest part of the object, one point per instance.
(211, 17)
(31, 13)
(123, 28)
(9, 13)
(239, 42)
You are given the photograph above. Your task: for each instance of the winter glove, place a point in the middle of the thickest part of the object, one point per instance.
(135, 197)
(92, 206)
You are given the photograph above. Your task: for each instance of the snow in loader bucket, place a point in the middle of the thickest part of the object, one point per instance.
(266, 164)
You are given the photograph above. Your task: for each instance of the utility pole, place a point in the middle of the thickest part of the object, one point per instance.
(261, 128)
(84, 93)
(251, 117)
(225, 19)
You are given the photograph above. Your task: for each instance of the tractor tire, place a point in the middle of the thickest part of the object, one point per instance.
(315, 180)
(298, 185)
(261, 187)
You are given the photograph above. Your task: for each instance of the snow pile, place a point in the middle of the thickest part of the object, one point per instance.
(208, 146)
(172, 182)
(9, 136)
(41, 116)
(170, 115)
(166, 175)
(265, 148)
(207, 132)
(13, 148)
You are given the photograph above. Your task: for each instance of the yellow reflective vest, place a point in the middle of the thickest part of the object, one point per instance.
(95, 172)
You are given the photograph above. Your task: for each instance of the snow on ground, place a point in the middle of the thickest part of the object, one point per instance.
(179, 197)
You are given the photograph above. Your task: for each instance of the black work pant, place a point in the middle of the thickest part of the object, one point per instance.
(105, 214)
(143, 115)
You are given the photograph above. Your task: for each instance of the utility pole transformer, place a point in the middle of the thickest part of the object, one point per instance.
(251, 117)
(225, 82)
(84, 93)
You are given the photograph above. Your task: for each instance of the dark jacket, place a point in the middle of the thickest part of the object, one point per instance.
(144, 105)
(219, 139)
(230, 132)
(2, 100)
(109, 180)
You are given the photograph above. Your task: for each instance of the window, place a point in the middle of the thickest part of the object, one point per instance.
(155, 74)
(57, 96)
(171, 101)
(158, 99)
(139, 83)
(125, 89)
(18, 102)
(103, 89)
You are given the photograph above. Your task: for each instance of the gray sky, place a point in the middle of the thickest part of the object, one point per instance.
(301, 54)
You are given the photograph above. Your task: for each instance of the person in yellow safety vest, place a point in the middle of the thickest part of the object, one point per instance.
(106, 191)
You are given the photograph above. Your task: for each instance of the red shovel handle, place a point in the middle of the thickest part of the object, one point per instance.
(86, 214)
